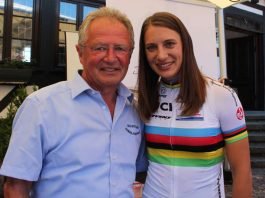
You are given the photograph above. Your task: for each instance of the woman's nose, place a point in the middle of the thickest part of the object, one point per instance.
(161, 53)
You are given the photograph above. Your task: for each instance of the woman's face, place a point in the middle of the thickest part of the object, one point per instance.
(163, 48)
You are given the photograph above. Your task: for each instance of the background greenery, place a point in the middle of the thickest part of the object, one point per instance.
(6, 122)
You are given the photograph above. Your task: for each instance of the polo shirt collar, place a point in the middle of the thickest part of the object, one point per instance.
(125, 92)
(78, 85)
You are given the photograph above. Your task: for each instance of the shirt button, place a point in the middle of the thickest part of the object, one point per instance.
(113, 157)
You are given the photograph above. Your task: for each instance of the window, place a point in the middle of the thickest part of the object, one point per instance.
(26, 35)
(16, 25)
(71, 16)
(67, 22)
(2, 6)
(22, 30)
(87, 10)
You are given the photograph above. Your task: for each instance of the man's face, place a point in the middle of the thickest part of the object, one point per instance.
(106, 54)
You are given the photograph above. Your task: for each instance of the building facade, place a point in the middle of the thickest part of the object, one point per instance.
(34, 31)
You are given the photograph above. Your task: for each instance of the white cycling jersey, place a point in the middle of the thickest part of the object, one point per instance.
(186, 152)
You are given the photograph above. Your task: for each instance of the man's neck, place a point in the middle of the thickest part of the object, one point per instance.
(110, 99)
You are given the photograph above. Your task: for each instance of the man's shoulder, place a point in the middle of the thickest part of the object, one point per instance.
(54, 90)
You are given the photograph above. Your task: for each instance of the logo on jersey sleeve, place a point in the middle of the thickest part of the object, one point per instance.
(240, 113)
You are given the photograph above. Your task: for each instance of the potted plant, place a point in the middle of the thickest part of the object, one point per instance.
(16, 70)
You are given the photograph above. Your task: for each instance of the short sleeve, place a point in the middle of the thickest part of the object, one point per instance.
(142, 161)
(231, 115)
(23, 159)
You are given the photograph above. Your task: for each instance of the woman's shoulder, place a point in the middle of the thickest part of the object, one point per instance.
(217, 87)
(221, 98)
(219, 93)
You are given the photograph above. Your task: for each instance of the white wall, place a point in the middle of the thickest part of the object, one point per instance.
(72, 60)
(199, 20)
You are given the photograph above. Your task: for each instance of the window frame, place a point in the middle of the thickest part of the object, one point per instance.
(79, 18)
(7, 29)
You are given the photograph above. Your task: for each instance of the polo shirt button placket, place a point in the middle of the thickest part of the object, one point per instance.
(114, 157)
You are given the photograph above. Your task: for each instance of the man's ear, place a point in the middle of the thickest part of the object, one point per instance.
(79, 50)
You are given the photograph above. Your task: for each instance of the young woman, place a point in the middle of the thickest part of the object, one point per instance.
(189, 119)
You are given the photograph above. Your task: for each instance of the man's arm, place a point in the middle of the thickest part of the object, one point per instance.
(16, 188)
(140, 177)
(239, 160)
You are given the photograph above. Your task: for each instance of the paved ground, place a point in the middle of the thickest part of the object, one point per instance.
(258, 184)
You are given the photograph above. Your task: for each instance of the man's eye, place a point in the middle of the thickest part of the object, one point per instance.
(120, 49)
(100, 49)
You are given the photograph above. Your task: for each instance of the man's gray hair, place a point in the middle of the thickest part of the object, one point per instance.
(107, 12)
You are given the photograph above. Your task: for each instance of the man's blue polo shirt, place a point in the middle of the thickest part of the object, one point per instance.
(64, 138)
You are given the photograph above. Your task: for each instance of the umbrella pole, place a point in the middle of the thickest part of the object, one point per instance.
(221, 40)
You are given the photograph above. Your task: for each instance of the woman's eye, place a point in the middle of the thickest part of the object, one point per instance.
(170, 44)
(150, 48)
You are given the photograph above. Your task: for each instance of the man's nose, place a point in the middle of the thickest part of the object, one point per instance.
(110, 55)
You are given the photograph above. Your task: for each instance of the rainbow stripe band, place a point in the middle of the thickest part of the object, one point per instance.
(237, 137)
(185, 161)
(189, 147)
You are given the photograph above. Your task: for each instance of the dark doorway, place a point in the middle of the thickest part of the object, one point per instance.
(244, 67)
(244, 33)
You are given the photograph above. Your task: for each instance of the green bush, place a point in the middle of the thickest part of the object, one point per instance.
(6, 122)
(5, 132)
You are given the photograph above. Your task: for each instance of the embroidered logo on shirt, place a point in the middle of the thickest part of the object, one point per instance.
(133, 129)
(240, 113)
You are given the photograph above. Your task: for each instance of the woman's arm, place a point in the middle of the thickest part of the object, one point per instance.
(238, 156)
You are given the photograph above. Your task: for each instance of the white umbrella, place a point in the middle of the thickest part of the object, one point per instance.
(222, 54)
(224, 3)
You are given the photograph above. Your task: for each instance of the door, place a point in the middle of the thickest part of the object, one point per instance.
(244, 68)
